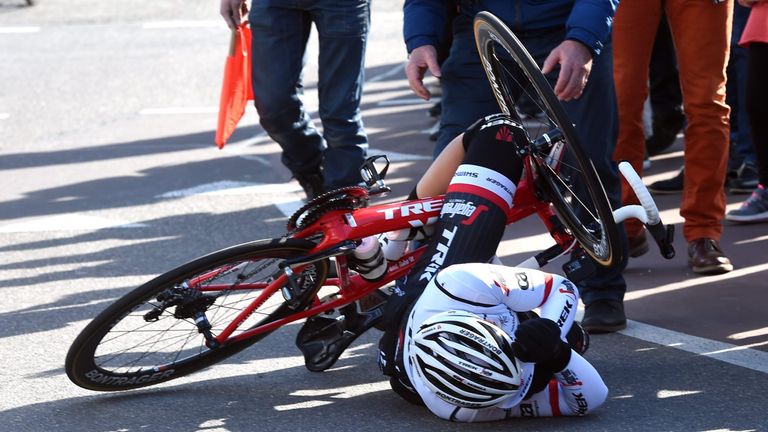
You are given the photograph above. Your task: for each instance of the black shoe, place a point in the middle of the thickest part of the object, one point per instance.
(669, 186)
(746, 179)
(323, 339)
(604, 316)
(665, 130)
(312, 183)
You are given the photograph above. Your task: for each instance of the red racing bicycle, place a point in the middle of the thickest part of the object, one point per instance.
(215, 306)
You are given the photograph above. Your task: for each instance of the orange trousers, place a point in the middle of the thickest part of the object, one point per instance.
(701, 31)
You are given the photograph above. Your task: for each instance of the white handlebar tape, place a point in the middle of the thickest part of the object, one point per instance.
(641, 191)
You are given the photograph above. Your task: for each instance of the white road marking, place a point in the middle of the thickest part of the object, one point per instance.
(733, 354)
(67, 222)
(154, 25)
(4, 116)
(234, 188)
(407, 101)
(15, 30)
(390, 73)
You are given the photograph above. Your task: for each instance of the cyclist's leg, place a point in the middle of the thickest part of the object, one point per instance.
(472, 219)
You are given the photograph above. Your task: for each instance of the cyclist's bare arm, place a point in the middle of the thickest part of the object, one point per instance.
(439, 174)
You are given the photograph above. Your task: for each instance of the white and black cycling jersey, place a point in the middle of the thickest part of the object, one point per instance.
(497, 293)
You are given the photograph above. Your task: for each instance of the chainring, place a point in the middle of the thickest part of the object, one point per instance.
(346, 198)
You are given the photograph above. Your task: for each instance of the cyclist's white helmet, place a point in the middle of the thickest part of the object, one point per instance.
(465, 360)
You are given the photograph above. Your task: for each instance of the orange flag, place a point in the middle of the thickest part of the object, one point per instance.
(237, 89)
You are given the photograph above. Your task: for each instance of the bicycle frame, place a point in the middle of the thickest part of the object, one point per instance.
(338, 229)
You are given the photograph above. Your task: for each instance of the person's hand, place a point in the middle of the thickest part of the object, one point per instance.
(421, 59)
(233, 12)
(537, 340)
(575, 61)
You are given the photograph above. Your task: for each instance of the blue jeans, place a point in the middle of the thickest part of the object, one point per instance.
(467, 96)
(280, 33)
(736, 94)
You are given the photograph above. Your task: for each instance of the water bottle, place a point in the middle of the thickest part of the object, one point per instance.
(368, 259)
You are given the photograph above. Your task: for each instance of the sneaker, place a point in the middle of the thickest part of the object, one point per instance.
(669, 186)
(604, 316)
(312, 183)
(706, 257)
(754, 209)
(746, 180)
(638, 246)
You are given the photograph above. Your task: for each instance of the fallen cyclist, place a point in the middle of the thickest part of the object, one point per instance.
(460, 336)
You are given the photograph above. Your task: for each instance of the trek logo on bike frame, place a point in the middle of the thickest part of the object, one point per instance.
(417, 208)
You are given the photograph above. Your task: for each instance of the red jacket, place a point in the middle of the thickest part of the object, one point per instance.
(757, 25)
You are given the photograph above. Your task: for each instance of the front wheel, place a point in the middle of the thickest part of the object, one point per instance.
(152, 334)
(565, 175)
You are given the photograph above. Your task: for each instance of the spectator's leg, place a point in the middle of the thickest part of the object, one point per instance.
(343, 34)
(702, 34)
(633, 36)
(466, 93)
(279, 44)
(757, 105)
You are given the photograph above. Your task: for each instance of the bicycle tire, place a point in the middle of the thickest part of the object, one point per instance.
(121, 350)
(565, 175)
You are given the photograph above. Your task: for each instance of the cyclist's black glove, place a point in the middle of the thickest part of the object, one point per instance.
(538, 340)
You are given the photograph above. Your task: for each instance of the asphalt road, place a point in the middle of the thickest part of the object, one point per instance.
(109, 177)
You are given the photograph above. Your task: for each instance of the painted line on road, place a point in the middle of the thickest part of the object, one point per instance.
(733, 354)
(155, 25)
(227, 187)
(16, 30)
(388, 74)
(407, 101)
(67, 222)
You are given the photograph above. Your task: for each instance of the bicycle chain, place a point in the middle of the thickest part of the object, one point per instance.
(346, 198)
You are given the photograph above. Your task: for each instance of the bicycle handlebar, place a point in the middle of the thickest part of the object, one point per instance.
(646, 212)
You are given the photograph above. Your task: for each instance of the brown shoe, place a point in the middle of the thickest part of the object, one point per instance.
(706, 257)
